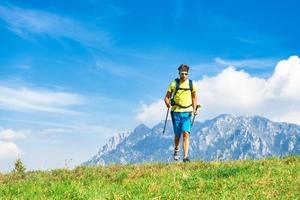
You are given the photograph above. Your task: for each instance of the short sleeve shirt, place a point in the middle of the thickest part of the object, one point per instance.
(182, 97)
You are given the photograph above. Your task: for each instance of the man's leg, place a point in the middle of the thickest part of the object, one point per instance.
(186, 140)
(186, 129)
(177, 130)
(176, 150)
(177, 141)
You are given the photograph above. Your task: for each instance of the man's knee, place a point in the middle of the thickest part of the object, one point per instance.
(186, 135)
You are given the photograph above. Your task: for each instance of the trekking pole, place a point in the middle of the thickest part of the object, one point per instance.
(166, 121)
(198, 106)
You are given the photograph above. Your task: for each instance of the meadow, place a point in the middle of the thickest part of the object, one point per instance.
(271, 178)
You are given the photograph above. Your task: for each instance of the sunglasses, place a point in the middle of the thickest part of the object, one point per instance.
(184, 73)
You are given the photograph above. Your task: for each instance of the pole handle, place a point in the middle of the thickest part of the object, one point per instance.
(198, 106)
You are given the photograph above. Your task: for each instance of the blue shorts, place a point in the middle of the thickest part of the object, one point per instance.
(181, 122)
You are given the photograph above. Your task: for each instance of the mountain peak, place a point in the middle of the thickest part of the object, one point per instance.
(141, 127)
(223, 117)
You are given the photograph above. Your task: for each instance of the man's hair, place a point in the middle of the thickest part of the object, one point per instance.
(183, 67)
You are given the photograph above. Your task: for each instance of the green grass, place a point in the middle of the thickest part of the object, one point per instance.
(271, 178)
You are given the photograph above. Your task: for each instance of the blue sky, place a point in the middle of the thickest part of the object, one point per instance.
(73, 74)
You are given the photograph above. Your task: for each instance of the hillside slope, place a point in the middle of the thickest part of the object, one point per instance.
(270, 178)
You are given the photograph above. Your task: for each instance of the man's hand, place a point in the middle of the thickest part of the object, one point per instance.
(168, 104)
(167, 99)
(195, 111)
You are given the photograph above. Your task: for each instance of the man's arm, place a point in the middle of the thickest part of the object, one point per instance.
(167, 99)
(194, 102)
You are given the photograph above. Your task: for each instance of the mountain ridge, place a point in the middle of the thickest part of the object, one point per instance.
(225, 137)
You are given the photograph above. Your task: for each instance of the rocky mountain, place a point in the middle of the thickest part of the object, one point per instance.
(225, 137)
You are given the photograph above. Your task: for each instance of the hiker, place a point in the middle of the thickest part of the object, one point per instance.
(181, 97)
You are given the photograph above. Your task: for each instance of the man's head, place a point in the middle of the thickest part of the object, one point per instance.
(183, 71)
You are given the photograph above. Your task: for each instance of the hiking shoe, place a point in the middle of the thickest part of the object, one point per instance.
(186, 159)
(176, 154)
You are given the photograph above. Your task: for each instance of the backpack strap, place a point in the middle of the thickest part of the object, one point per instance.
(177, 80)
(191, 85)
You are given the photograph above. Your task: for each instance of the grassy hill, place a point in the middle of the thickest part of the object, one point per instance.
(270, 178)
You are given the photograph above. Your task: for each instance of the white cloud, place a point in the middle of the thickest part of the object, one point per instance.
(8, 134)
(55, 131)
(26, 99)
(249, 63)
(9, 150)
(151, 114)
(237, 92)
(22, 22)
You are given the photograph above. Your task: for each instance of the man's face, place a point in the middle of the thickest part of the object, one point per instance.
(183, 75)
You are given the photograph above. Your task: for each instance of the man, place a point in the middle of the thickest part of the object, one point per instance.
(183, 103)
